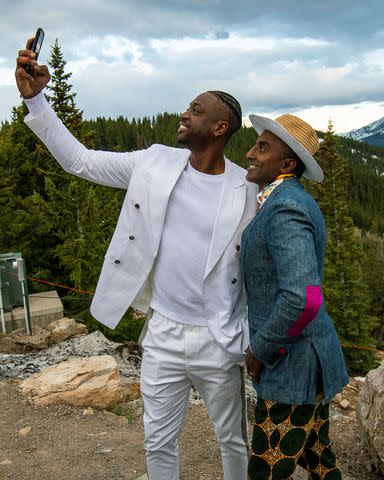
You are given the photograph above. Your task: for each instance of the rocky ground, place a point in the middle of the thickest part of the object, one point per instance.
(64, 442)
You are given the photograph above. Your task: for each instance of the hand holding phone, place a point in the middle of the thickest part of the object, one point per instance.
(31, 77)
(36, 47)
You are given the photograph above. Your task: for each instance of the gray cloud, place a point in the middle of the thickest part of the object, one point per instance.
(294, 53)
(138, 19)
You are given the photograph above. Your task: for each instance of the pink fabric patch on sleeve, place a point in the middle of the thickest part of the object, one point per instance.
(314, 299)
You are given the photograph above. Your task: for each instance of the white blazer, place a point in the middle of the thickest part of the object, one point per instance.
(149, 177)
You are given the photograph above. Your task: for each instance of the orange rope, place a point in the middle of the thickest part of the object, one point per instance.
(60, 285)
(362, 348)
(92, 293)
(33, 279)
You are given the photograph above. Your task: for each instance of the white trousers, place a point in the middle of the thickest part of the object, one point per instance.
(175, 357)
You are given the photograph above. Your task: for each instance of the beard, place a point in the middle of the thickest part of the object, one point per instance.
(182, 140)
(194, 141)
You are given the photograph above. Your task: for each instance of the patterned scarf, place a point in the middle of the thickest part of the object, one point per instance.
(268, 189)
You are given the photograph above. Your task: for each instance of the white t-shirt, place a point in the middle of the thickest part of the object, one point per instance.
(177, 291)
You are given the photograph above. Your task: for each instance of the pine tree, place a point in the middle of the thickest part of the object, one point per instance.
(23, 226)
(62, 98)
(373, 272)
(344, 290)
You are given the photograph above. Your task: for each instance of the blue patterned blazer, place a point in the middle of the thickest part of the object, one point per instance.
(290, 331)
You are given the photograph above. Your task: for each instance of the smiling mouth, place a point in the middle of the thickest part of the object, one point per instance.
(182, 128)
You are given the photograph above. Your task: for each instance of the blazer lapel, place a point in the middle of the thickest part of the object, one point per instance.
(291, 183)
(230, 211)
(162, 185)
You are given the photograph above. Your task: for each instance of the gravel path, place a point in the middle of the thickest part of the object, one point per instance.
(63, 443)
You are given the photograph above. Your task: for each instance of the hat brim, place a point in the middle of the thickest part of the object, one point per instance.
(312, 170)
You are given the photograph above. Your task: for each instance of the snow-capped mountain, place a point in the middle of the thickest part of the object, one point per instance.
(372, 133)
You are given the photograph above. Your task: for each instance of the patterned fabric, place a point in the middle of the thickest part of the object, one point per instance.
(268, 189)
(287, 435)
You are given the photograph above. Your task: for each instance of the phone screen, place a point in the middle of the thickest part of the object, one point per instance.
(39, 37)
(36, 47)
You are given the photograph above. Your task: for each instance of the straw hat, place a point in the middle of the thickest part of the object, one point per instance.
(298, 135)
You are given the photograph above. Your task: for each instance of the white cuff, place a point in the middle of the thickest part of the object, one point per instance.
(37, 104)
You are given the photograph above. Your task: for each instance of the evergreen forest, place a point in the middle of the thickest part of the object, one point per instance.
(62, 225)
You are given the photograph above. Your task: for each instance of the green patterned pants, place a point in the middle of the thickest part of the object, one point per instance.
(287, 435)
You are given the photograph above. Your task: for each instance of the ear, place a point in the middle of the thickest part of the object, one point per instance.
(288, 165)
(221, 128)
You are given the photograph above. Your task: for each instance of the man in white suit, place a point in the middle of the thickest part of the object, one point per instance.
(174, 253)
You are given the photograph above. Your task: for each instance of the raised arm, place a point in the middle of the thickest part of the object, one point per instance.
(107, 168)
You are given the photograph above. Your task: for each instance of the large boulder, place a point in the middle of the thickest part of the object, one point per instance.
(58, 331)
(91, 382)
(63, 329)
(370, 415)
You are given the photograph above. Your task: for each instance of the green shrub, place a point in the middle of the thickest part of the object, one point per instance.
(128, 329)
(123, 411)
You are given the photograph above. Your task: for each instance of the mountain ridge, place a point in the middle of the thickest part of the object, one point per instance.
(373, 133)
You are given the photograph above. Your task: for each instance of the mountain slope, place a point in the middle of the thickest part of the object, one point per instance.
(373, 133)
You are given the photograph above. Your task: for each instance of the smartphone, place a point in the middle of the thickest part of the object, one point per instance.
(36, 47)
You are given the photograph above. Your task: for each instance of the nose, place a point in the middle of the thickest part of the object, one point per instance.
(184, 115)
(251, 154)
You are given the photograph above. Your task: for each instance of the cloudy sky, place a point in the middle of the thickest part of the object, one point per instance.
(321, 59)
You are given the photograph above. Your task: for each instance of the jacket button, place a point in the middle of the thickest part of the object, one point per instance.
(117, 261)
(137, 205)
(238, 247)
(131, 237)
(234, 280)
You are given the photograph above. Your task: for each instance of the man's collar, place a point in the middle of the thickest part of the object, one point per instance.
(268, 189)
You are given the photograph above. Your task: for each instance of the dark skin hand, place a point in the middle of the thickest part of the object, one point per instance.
(253, 366)
(29, 86)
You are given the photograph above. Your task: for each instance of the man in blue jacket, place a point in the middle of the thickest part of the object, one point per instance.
(294, 357)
